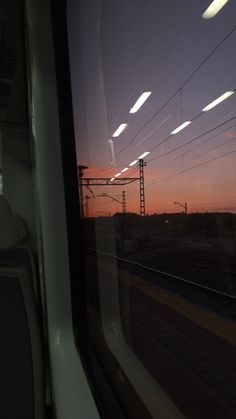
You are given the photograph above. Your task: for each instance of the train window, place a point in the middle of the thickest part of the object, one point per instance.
(153, 88)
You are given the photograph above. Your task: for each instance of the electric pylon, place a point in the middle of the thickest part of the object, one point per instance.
(123, 202)
(141, 179)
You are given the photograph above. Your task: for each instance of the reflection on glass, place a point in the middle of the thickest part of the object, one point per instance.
(160, 240)
(214, 8)
(119, 130)
(217, 101)
(140, 101)
(182, 126)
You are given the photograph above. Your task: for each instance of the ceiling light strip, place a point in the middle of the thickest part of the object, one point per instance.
(120, 129)
(182, 126)
(214, 8)
(140, 101)
(218, 100)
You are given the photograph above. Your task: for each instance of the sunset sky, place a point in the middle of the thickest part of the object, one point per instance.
(166, 47)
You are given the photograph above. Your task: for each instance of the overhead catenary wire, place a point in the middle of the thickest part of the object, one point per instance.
(186, 170)
(189, 141)
(178, 90)
(213, 148)
(173, 95)
(204, 203)
(183, 172)
(121, 186)
(197, 165)
(188, 151)
(193, 148)
(130, 174)
(204, 153)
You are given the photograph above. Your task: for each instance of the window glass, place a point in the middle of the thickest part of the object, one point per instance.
(153, 85)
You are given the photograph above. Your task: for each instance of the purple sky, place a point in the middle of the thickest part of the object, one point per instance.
(127, 47)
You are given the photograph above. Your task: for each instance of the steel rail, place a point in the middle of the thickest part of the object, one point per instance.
(140, 265)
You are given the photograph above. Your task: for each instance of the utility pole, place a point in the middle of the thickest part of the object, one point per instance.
(123, 202)
(80, 175)
(183, 205)
(141, 180)
(86, 206)
(87, 197)
(87, 182)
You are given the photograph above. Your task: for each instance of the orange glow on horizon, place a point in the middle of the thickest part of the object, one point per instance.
(207, 188)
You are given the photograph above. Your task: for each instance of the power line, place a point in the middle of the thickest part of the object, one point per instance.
(182, 172)
(214, 148)
(133, 171)
(198, 165)
(130, 174)
(109, 202)
(208, 140)
(170, 136)
(190, 141)
(179, 89)
(183, 145)
(189, 151)
(173, 96)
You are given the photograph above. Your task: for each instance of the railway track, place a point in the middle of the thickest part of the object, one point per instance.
(209, 373)
(209, 297)
(201, 363)
(212, 273)
(217, 264)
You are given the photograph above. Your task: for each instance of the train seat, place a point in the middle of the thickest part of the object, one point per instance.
(21, 365)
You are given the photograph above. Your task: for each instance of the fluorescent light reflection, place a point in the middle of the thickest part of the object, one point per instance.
(118, 174)
(124, 170)
(143, 155)
(112, 179)
(218, 100)
(182, 126)
(140, 101)
(119, 130)
(214, 8)
(133, 163)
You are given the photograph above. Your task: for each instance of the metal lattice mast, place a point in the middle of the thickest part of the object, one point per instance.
(123, 202)
(80, 176)
(87, 182)
(86, 206)
(141, 179)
